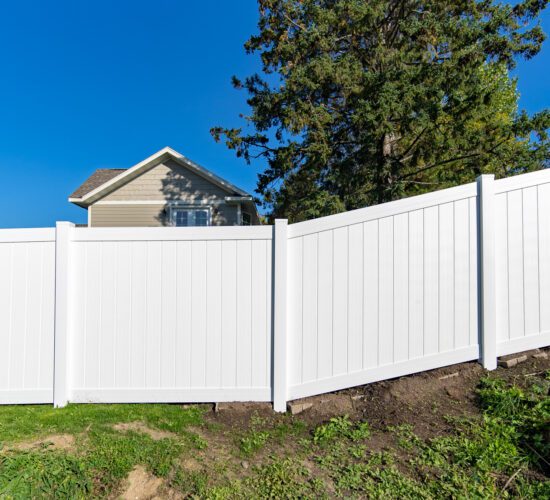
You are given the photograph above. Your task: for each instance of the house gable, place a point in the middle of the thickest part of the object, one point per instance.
(162, 156)
(168, 181)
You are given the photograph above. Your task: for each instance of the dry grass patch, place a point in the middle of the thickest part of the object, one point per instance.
(54, 442)
(154, 434)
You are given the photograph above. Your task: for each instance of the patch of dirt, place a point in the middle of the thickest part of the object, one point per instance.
(219, 454)
(424, 399)
(154, 434)
(427, 398)
(53, 442)
(141, 485)
(239, 414)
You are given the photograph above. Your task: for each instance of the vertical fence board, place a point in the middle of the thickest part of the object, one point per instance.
(168, 307)
(138, 325)
(544, 255)
(501, 267)
(401, 288)
(229, 312)
(531, 260)
(260, 332)
(184, 292)
(295, 310)
(355, 298)
(244, 314)
(309, 312)
(214, 318)
(461, 274)
(386, 291)
(154, 314)
(431, 280)
(340, 300)
(416, 284)
(446, 277)
(473, 264)
(515, 264)
(324, 299)
(199, 313)
(371, 305)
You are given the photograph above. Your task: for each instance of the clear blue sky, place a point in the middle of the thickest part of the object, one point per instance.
(104, 84)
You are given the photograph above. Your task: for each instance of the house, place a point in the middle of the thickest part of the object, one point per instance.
(166, 189)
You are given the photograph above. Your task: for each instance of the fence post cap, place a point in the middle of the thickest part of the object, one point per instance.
(485, 177)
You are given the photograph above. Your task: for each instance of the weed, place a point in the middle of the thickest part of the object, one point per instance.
(253, 441)
(284, 478)
(43, 474)
(191, 483)
(406, 438)
(525, 412)
(341, 427)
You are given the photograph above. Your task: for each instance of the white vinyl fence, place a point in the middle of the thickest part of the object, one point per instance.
(274, 313)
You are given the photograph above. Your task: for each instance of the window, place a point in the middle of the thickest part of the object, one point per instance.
(182, 217)
(245, 219)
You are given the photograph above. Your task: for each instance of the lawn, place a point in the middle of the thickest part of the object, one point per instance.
(490, 441)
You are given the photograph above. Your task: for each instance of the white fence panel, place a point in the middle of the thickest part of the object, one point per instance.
(383, 291)
(522, 234)
(185, 314)
(172, 315)
(27, 289)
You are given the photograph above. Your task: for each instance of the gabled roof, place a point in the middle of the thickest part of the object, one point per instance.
(99, 177)
(103, 181)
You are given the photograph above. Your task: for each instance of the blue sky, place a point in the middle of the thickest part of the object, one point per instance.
(104, 84)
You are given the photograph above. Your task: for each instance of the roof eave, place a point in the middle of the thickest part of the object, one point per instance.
(79, 202)
(151, 161)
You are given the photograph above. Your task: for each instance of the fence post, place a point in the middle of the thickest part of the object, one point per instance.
(280, 359)
(61, 380)
(487, 309)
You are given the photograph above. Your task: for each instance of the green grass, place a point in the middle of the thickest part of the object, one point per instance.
(24, 422)
(103, 457)
(502, 454)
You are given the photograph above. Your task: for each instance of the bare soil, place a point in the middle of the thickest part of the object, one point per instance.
(53, 442)
(141, 485)
(154, 434)
(423, 400)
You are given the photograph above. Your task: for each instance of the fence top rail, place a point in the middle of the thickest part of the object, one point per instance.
(29, 235)
(173, 233)
(383, 210)
(522, 181)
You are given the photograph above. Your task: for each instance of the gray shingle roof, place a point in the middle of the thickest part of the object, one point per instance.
(99, 177)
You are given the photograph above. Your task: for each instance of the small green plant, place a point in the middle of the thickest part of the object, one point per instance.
(341, 427)
(253, 441)
(406, 438)
(284, 478)
(44, 474)
(191, 483)
(526, 412)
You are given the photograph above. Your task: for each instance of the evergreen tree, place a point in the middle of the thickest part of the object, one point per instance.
(362, 102)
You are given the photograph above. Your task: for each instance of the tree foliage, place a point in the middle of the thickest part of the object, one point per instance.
(362, 102)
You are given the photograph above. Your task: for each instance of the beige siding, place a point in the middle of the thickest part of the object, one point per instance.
(165, 182)
(151, 215)
(168, 181)
(128, 215)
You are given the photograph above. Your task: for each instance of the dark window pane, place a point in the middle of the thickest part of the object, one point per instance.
(201, 218)
(182, 218)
